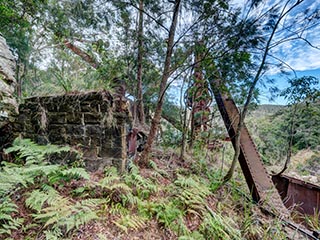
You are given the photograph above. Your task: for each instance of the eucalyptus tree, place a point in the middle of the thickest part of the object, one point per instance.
(213, 24)
(137, 26)
(164, 79)
(277, 29)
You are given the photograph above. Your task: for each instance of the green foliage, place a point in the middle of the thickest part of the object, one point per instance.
(271, 133)
(170, 136)
(127, 222)
(32, 153)
(143, 187)
(7, 222)
(313, 221)
(164, 210)
(302, 89)
(250, 228)
(67, 175)
(15, 23)
(32, 170)
(13, 177)
(191, 193)
(54, 210)
(219, 227)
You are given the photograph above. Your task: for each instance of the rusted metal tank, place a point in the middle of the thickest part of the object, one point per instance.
(300, 195)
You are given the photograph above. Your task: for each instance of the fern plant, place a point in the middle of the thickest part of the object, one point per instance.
(191, 194)
(218, 227)
(143, 187)
(31, 169)
(56, 211)
(32, 153)
(130, 221)
(7, 222)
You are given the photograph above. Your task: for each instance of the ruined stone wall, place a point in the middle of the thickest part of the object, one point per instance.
(95, 122)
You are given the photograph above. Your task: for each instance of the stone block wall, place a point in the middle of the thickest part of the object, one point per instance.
(93, 122)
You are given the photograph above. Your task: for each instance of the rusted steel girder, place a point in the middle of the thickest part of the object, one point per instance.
(257, 178)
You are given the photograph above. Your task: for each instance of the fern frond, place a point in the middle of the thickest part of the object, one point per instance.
(76, 172)
(111, 177)
(8, 223)
(218, 227)
(38, 198)
(32, 152)
(117, 208)
(122, 186)
(53, 234)
(130, 222)
(191, 193)
(58, 211)
(144, 187)
(68, 174)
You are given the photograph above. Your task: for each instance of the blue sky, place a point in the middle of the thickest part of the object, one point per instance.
(281, 82)
(297, 54)
(300, 55)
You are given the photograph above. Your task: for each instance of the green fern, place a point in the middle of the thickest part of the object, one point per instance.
(38, 198)
(53, 234)
(191, 193)
(158, 171)
(164, 210)
(218, 227)
(7, 222)
(111, 176)
(33, 153)
(34, 166)
(118, 209)
(127, 222)
(13, 176)
(55, 210)
(67, 175)
(143, 186)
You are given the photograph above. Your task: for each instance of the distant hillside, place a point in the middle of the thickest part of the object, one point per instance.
(265, 109)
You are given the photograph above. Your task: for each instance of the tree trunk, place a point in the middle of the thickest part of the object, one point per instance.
(291, 132)
(85, 56)
(19, 80)
(165, 75)
(243, 114)
(184, 135)
(140, 109)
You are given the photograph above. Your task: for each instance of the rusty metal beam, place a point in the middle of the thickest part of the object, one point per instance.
(258, 180)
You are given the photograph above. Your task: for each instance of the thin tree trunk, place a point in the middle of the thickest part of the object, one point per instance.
(85, 56)
(140, 109)
(184, 135)
(19, 80)
(291, 132)
(165, 75)
(242, 115)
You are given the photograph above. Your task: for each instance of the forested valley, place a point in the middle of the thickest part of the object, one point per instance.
(128, 119)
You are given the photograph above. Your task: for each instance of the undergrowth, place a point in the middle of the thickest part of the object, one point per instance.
(40, 200)
(33, 178)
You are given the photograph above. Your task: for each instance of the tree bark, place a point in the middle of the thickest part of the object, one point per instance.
(291, 132)
(140, 108)
(85, 56)
(143, 161)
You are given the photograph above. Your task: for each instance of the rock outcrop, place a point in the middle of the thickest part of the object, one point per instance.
(8, 103)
